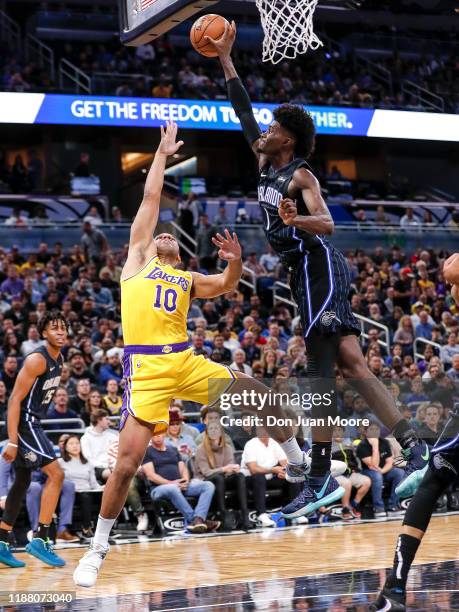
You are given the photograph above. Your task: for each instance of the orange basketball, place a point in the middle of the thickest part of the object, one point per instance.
(207, 25)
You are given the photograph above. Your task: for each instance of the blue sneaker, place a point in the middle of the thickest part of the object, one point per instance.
(297, 472)
(417, 458)
(6, 556)
(44, 551)
(318, 491)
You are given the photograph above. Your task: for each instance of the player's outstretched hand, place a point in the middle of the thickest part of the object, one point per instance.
(224, 45)
(9, 453)
(229, 248)
(168, 146)
(288, 211)
(455, 293)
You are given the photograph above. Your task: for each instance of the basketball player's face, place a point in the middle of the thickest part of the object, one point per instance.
(273, 140)
(167, 246)
(56, 333)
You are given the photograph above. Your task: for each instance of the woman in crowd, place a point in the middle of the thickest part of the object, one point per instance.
(78, 469)
(269, 362)
(214, 461)
(405, 334)
(94, 402)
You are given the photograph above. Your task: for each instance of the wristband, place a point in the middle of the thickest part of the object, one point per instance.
(11, 444)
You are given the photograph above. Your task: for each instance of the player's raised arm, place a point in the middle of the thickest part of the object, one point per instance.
(34, 366)
(237, 93)
(320, 220)
(141, 241)
(214, 285)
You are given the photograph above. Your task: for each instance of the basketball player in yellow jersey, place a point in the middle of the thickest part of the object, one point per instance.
(158, 363)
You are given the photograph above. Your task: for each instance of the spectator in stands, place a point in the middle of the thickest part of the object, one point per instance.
(93, 217)
(16, 219)
(78, 367)
(59, 410)
(408, 219)
(263, 462)
(12, 285)
(163, 89)
(93, 242)
(215, 462)
(33, 341)
(112, 400)
(417, 393)
(183, 442)
(3, 403)
(270, 260)
(19, 182)
(102, 296)
(78, 402)
(9, 372)
(252, 351)
(448, 351)
(189, 430)
(405, 335)
(239, 363)
(83, 168)
(112, 369)
(220, 354)
(342, 451)
(95, 443)
(169, 479)
(81, 472)
(376, 454)
(431, 426)
(424, 328)
(453, 372)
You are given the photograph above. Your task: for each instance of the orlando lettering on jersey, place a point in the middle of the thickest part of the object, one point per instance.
(269, 195)
(158, 274)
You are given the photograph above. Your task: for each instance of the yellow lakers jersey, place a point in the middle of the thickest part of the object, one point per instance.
(154, 305)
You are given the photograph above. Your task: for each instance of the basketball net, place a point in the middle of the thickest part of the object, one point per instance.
(288, 28)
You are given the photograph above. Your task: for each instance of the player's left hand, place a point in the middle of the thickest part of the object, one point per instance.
(168, 146)
(288, 211)
(228, 246)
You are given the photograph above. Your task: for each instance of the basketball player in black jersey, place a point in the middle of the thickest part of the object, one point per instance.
(443, 471)
(296, 219)
(28, 447)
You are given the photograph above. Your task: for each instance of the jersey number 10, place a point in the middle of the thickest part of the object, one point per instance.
(166, 299)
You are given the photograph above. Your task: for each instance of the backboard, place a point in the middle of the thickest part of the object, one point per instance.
(142, 21)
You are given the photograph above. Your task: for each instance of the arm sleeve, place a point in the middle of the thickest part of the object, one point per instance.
(242, 105)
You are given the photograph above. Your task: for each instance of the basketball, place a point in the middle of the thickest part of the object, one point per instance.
(207, 25)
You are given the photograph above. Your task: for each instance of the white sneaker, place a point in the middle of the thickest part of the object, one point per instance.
(142, 521)
(86, 572)
(266, 520)
(300, 520)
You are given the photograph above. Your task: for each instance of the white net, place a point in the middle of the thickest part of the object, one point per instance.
(288, 28)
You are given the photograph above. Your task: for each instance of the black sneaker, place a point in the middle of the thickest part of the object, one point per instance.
(393, 600)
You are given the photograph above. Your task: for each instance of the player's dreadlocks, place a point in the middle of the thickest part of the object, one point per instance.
(299, 122)
(49, 317)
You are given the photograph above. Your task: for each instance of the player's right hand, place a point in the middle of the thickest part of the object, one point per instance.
(224, 45)
(9, 453)
(168, 146)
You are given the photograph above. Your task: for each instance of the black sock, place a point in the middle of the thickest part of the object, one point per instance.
(405, 553)
(42, 531)
(320, 458)
(4, 535)
(405, 434)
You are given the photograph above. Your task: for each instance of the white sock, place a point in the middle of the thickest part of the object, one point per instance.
(292, 450)
(104, 526)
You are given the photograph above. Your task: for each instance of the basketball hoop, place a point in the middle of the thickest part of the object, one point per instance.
(288, 28)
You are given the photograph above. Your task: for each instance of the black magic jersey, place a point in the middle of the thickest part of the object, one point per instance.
(320, 278)
(36, 403)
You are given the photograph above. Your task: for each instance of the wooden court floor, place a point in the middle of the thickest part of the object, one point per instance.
(189, 562)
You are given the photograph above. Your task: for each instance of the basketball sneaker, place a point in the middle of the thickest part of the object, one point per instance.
(318, 491)
(7, 557)
(297, 472)
(417, 458)
(390, 599)
(87, 570)
(43, 550)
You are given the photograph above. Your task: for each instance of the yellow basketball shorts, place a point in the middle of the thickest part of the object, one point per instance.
(155, 375)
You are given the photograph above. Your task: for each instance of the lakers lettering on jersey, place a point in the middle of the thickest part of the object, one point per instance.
(158, 363)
